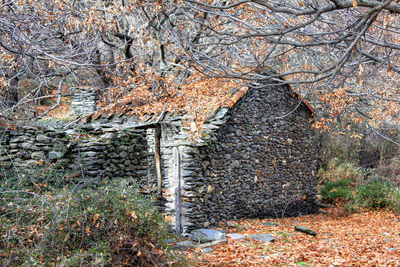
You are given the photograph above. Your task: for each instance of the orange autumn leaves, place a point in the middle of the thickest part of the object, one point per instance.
(362, 239)
(199, 97)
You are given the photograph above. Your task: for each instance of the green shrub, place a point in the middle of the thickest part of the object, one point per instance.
(78, 224)
(378, 193)
(341, 177)
(39, 177)
(333, 191)
(373, 194)
(338, 181)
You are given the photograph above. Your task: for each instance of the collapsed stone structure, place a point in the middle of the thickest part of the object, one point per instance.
(256, 159)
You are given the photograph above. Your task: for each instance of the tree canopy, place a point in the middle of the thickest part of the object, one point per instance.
(343, 55)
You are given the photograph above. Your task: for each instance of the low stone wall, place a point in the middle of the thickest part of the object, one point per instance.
(91, 153)
(26, 146)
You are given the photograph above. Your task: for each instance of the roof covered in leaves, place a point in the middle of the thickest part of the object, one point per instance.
(199, 98)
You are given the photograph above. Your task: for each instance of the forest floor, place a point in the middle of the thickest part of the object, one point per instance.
(369, 238)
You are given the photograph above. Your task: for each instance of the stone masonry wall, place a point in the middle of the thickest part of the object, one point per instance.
(83, 100)
(91, 153)
(28, 145)
(259, 159)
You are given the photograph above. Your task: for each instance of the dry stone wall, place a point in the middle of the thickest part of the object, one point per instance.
(84, 100)
(29, 145)
(86, 152)
(259, 159)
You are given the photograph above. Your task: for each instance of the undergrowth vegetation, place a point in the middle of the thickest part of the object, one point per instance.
(360, 175)
(49, 219)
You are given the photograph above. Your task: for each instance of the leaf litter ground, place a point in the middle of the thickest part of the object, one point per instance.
(370, 238)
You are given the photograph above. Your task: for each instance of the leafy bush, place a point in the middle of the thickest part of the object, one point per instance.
(375, 185)
(333, 191)
(39, 177)
(378, 193)
(78, 224)
(374, 194)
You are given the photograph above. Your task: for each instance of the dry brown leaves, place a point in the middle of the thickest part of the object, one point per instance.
(361, 239)
(199, 97)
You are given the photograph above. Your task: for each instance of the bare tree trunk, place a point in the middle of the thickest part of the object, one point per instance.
(12, 93)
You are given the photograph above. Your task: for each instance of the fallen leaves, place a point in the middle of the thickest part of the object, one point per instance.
(66, 238)
(200, 96)
(87, 230)
(133, 214)
(95, 218)
(361, 239)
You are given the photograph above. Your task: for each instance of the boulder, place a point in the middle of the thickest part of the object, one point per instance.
(207, 235)
(263, 237)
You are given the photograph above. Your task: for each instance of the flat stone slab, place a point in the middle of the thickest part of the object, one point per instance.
(207, 250)
(184, 244)
(211, 244)
(231, 225)
(236, 236)
(263, 237)
(305, 230)
(207, 235)
(270, 223)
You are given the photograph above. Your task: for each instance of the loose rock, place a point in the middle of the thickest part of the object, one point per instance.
(207, 250)
(263, 237)
(184, 244)
(207, 235)
(269, 223)
(305, 230)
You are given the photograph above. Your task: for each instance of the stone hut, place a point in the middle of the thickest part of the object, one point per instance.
(256, 157)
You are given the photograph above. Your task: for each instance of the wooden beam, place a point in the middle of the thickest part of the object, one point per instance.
(177, 180)
(157, 152)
